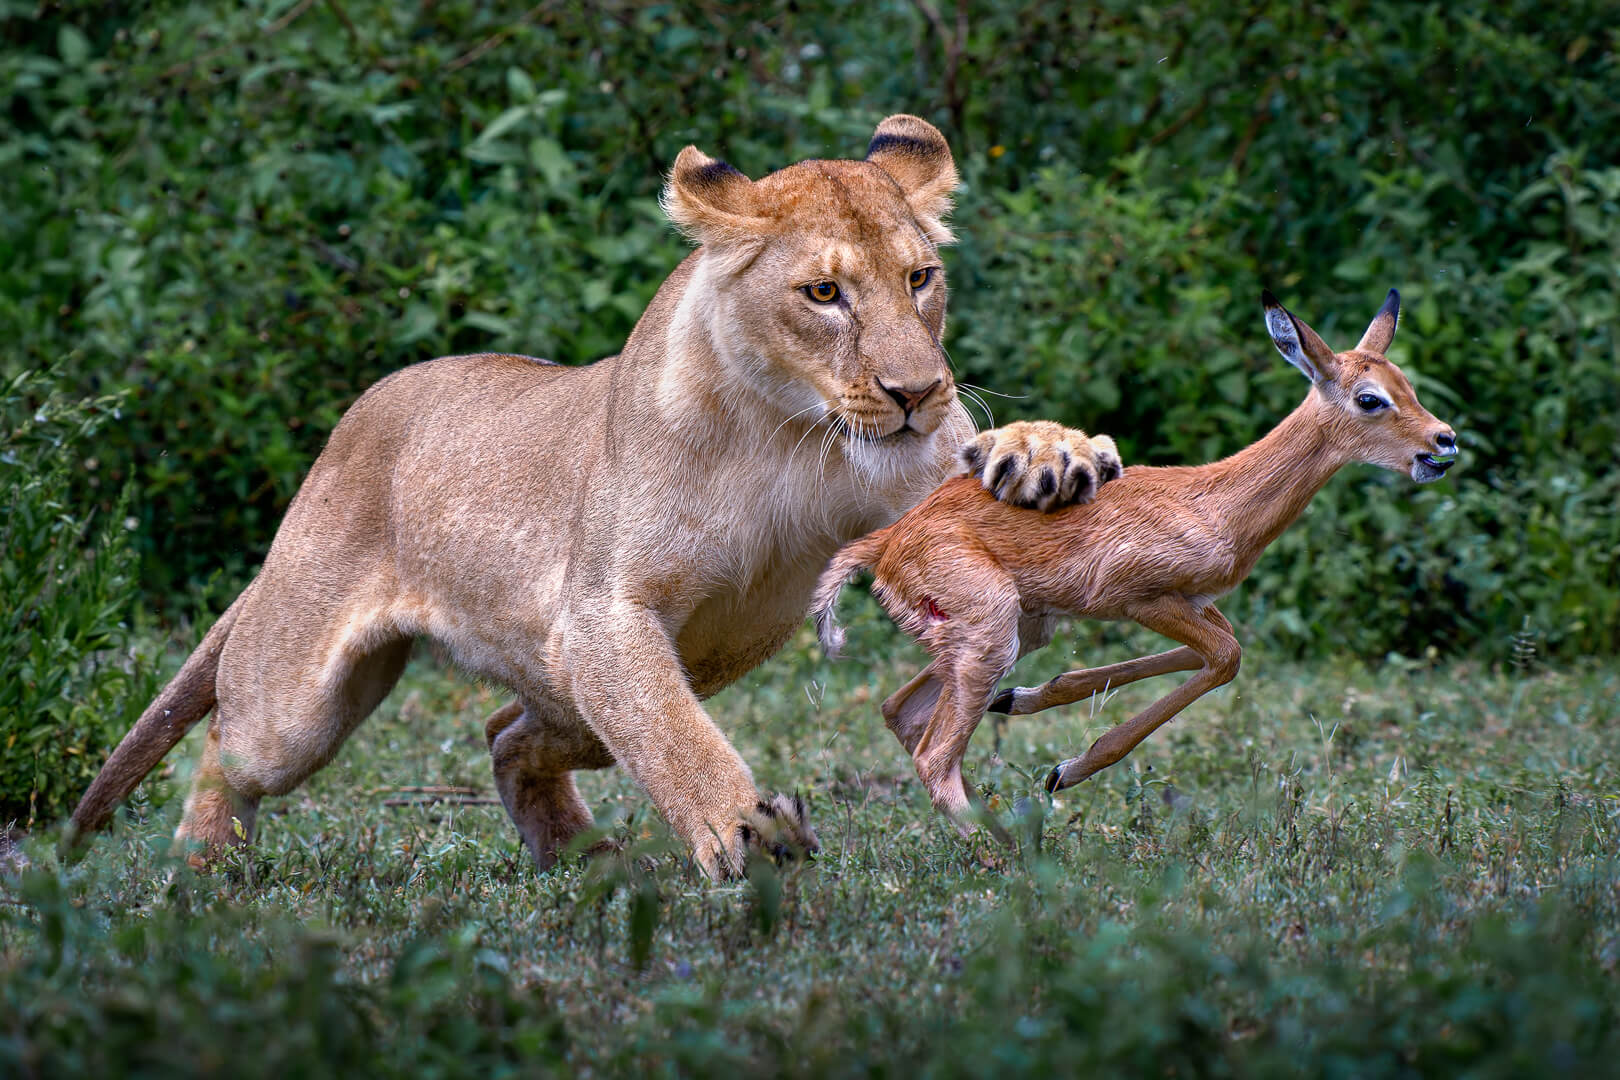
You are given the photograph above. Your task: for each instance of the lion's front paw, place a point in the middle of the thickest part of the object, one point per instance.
(1041, 465)
(778, 828)
(1109, 465)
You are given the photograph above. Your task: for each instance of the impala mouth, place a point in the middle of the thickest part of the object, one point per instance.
(1427, 467)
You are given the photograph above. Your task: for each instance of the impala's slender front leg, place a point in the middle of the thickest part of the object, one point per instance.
(1206, 631)
(1073, 686)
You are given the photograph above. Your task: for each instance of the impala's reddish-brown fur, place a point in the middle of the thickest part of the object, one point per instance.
(978, 582)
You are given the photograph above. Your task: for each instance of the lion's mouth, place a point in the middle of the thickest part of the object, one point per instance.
(900, 434)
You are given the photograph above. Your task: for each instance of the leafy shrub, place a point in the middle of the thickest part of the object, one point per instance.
(1125, 309)
(247, 216)
(161, 998)
(71, 684)
(204, 990)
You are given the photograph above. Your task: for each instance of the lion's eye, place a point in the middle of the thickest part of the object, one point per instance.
(920, 278)
(822, 292)
(1369, 402)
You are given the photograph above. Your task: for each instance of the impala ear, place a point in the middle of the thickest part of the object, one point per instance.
(712, 203)
(1381, 333)
(912, 150)
(1297, 342)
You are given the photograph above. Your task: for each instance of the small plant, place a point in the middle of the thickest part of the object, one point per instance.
(69, 680)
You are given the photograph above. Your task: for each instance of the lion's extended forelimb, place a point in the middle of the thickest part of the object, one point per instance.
(1039, 464)
(629, 685)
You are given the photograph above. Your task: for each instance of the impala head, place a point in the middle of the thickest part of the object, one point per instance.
(825, 289)
(1366, 403)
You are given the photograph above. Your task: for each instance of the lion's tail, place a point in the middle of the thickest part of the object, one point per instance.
(185, 700)
(849, 560)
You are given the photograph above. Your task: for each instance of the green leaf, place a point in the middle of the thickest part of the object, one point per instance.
(594, 294)
(552, 160)
(490, 323)
(73, 46)
(519, 85)
(506, 121)
(417, 323)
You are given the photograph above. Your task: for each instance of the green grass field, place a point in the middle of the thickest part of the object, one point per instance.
(1402, 870)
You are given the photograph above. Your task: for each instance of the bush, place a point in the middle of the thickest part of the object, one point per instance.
(248, 216)
(163, 998)
(205, 989)
(72, 683)
(1127, 309)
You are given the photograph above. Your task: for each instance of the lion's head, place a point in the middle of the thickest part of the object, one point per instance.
(822, 285)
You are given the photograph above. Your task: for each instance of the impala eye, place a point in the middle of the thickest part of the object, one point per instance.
(1370, 402)
(822, 292)
(920, 278)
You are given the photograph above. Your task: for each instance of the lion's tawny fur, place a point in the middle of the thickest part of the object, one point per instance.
(617, 541)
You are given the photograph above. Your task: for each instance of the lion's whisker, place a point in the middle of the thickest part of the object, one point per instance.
(841, 424)
(814, 405)
(994, 393)
(968, 394)
(827, 437)
(807, 432)
(826, 444)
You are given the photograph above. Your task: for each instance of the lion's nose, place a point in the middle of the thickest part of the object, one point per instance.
(909, 397)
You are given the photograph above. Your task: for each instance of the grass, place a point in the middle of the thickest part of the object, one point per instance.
(1400, 869)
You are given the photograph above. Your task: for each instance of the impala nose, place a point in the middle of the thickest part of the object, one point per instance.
(1444, 454)
(908, 397)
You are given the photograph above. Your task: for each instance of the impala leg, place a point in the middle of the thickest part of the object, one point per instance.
(1206, 632)
(944, 744)
(906, 711)
(974, 650)
(1075, 686)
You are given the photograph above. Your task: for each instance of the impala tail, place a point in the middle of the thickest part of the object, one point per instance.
(850, 560)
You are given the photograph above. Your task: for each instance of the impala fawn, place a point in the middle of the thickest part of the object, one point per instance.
(979, 582)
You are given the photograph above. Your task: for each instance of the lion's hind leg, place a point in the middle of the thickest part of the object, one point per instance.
(535, 748)
(287, 700)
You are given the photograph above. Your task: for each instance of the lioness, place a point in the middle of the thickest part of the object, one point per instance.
(614, 542)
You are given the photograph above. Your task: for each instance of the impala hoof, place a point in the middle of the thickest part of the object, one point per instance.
(1002, 702)
(1054, 778)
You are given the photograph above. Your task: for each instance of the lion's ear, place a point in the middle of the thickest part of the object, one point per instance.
(912, 150)
(711, 202)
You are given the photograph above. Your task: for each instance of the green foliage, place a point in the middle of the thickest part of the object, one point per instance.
(1423, 885)
(158, 997)
(246, 216)
(72, 683)
(1498, 997)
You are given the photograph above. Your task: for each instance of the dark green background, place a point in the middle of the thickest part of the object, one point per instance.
(219, 222)
(245, 214)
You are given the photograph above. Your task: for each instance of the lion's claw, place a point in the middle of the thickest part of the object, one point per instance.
(1041, 465)
(778, 828)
